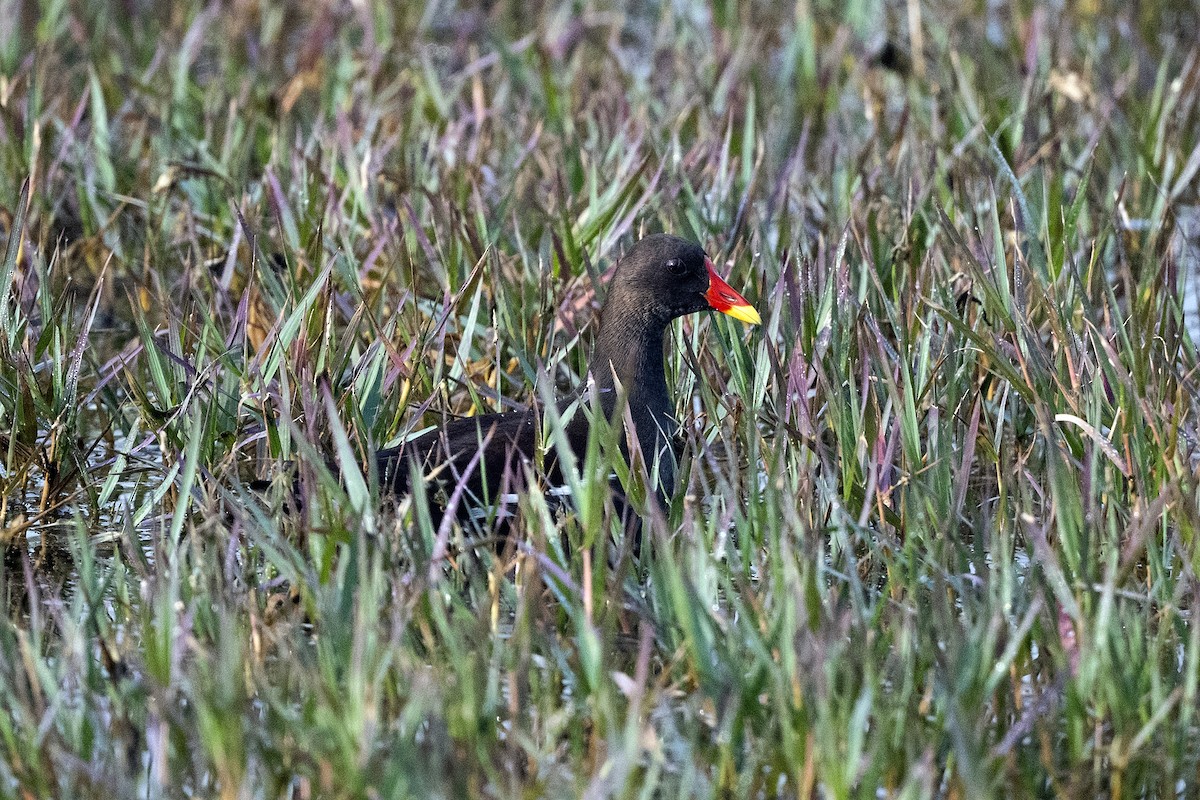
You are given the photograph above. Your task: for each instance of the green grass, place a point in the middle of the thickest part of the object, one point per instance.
(936, 534)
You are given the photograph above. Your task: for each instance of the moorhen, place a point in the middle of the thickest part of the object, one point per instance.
(475, 462)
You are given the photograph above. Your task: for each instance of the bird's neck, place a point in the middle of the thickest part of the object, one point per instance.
(628, 357)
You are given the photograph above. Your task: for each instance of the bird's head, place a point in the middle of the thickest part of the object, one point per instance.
(669, 277)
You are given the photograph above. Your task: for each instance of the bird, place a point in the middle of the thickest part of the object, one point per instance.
(474, 464)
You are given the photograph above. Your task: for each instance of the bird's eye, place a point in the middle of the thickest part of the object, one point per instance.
(675, 266)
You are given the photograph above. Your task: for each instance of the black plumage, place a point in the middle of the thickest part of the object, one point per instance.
(480, 461)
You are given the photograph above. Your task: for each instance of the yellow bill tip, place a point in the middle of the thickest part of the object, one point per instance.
(746, 313)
